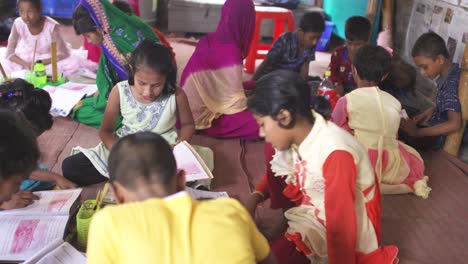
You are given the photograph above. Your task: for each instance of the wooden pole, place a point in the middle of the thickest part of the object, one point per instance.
(371, 11)
(53, 50)
(452, 144)
(34, 56)
(387, 22)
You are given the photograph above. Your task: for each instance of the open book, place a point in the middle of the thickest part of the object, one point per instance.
(25, 231)
(188, 160)
(203, 195)
(66, 96)
(57, 252)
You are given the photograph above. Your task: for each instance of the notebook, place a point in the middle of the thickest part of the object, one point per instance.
(25, 231)
(57, 252)
(188, 160)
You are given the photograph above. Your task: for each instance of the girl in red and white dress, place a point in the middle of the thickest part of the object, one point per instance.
(321, 175)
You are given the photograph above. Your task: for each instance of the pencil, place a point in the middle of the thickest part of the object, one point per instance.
(5, 77)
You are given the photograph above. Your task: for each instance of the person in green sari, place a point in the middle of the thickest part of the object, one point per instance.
(118, 34)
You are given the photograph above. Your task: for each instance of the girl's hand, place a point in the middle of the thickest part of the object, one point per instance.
(252, 203)
(409, 127)
(424, 116)
(26, 66)
(63, 183)
(19, 200)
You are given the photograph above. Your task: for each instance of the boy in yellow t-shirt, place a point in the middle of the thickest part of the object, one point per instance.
(157, 222)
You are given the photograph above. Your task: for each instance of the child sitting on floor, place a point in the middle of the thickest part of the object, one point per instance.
(294, 50)
(18, 158)
(328, 178)
(373, 117)
(431, 57)
(31, 38)
(156, 221)
(34, 104)
(149, 101)
(357, 32)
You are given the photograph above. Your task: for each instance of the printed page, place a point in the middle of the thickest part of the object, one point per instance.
(201, 195)
(187, 161)
(88, 89)
(56, 202)
(61, 253)
(23, 236)
(63, 100)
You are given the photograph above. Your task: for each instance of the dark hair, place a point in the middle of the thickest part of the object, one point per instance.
(281, 90)
(36, 3)
(312, 22)
(19, 151)
(143, 155)
(157, 57)
(372, 63)
(124, 7)
(82, 21)
(402, 75)
(322, 106)
(430, 45)
(357, 28)
(20, 96)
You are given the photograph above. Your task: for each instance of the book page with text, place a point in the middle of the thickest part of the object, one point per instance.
(187, 161)
(55, 202)
(23, 236)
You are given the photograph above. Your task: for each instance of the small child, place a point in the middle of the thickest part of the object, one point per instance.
(21, 97)
(149, 101)
(156, 221)
(19, 153)
(31, 28)
(373, 117)
(357, 32)
(327, 176)
(294, 50)
(431, 57)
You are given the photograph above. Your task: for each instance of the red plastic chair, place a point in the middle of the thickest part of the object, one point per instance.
(281, 16)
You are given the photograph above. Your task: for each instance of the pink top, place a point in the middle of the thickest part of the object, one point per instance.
(21, 42)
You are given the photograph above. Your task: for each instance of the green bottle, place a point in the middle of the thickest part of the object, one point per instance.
(40, 76)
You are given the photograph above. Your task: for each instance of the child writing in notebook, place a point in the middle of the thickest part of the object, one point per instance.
(373, 117)
(34, 105)
(156, 221)
(432, 58)
(19, 153)
(30, 39)
(335, 199)
(149, 101)
(294, 50)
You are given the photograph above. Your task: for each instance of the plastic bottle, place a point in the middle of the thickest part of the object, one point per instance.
(327, 90)
(40, 76)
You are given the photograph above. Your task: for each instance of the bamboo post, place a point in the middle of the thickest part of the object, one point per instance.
(387, 23)
(53, 49)
(34, 56)
(452, 144)
(371, 11)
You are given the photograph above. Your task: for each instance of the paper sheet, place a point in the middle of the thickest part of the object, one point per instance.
(63, 100)
(57, 252)
(23, 236)
(88, 89)
(200, 194)
(49, 203)
(188, 162)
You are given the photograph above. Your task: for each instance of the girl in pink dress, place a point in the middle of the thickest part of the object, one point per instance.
(31, 28)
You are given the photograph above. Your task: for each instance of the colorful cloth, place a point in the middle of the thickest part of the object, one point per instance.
(329, 178)
(176, 229)
(283, 54)
(340, 68)
(212, 79)
(373, 117)
(123, 33)
(21, 43)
